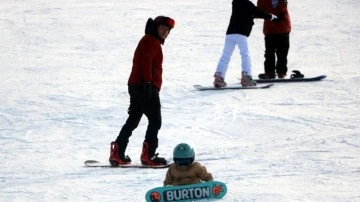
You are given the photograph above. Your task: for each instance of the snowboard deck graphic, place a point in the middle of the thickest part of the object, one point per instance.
(98, 164)
(193, 192)
(236, 86)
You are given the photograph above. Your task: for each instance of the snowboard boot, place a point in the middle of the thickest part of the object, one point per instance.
(281, 75)
(219, 81)
(117, 157)
(246, 80)
(266, 76)
(148, 156)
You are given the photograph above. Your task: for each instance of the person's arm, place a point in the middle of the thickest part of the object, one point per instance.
(282, 9)
(260, 4)
(259, 13)
(169, 179)
(283, 6)
(202, 173)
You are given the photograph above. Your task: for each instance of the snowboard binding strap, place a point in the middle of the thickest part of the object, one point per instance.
(296, 75)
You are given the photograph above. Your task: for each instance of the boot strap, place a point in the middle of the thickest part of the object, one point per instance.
(154, 157)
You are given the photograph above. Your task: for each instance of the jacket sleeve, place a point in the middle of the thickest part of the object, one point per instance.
(258, 13)
(283, 7)
(280, 10)
(169, 179)
(203, 174)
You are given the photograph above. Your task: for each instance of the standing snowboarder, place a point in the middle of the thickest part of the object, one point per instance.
(277, 39)
(239, 29)
(144, 85)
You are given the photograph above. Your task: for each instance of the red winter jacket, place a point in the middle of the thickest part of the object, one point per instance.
(147, 62)
(279, 9)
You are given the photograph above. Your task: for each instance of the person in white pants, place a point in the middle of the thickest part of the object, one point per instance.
(239, 29)
(231, 41)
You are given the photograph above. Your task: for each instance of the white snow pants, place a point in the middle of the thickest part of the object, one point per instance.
(231, 40)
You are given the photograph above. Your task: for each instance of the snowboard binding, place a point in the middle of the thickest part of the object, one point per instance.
(296, 75)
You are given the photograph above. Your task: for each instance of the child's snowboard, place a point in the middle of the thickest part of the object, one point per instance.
(193, 192)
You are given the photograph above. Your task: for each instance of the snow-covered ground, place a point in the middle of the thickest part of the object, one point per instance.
(63, 99)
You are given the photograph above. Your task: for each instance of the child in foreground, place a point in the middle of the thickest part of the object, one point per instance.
(185, 171)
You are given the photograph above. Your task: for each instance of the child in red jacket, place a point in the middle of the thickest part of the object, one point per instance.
(277, 40)
(144, 85)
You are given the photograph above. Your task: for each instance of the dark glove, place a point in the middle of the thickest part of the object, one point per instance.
(273, 17)
(148, 88)
(280, 17)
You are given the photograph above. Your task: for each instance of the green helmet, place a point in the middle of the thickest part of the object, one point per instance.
(183, 152)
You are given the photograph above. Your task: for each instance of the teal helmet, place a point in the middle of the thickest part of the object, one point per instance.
(183, 154)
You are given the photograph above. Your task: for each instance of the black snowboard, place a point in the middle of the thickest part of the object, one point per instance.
(316, 78)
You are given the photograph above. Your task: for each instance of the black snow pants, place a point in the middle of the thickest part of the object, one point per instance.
(140, 105)
(276, 44)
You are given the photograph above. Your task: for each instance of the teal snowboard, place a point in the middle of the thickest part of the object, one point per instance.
(193, 192)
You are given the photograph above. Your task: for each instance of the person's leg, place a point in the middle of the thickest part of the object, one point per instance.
(152, 110)
(153, 113)
(246, 68)
(270, 60)
(282, 52)
(135, 111)
(242, 43)
(226, 56)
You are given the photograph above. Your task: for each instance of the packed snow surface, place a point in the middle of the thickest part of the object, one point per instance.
(63, 99)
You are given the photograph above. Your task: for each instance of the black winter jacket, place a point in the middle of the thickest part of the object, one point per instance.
(242, 17)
